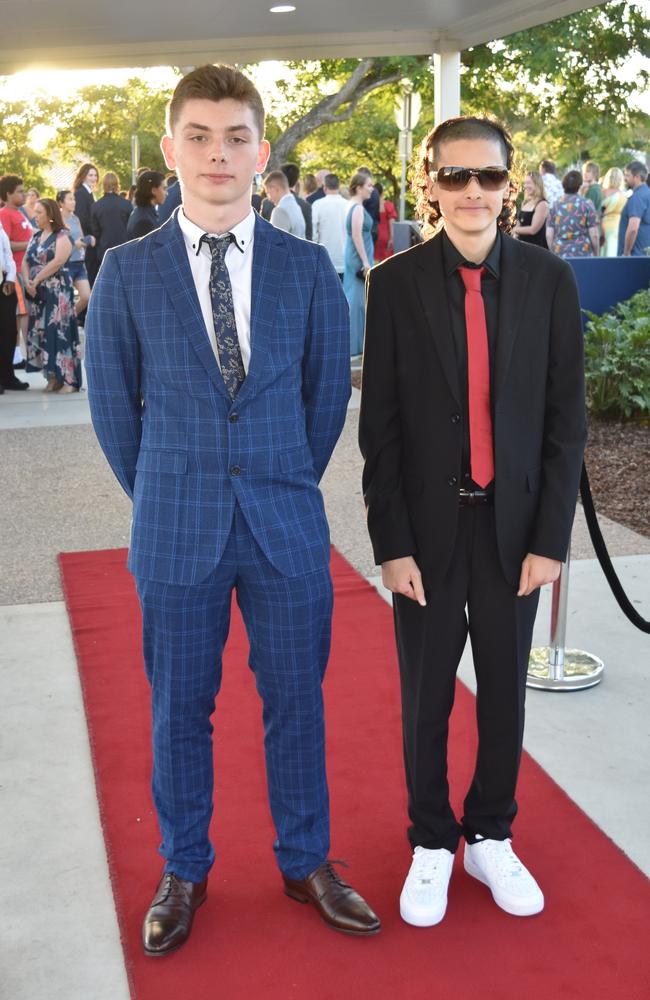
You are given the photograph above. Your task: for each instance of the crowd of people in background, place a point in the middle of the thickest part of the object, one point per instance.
(51, 249)
(580, 216)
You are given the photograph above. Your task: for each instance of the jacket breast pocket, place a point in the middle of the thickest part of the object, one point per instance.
(162, 461)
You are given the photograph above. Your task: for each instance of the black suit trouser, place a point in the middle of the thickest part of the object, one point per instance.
(474, 598)
(8, 331)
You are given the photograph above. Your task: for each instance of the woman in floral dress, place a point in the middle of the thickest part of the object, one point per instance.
(53, 335)
(572, 224)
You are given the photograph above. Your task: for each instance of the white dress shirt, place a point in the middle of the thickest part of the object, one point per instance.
(552, 188)
(7, 262)
(328, 218)
(239, 263)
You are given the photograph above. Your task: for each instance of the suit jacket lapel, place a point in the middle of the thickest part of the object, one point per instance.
(269, 260)
(513, 283)
(430, 281)
(170, 257)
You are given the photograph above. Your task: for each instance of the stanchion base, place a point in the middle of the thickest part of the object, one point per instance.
(581, 670)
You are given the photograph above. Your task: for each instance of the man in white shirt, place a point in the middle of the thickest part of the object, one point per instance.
(552, 184)
(217, 354)
(286, 214)
(7, 314)
(328, 217)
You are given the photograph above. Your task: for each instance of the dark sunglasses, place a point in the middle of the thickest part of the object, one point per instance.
(457, 178)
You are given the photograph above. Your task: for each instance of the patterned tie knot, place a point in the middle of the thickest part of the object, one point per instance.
(218, 245)
(472, 278)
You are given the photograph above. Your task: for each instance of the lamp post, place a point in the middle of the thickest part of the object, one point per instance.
(407, 113)
(135, 158)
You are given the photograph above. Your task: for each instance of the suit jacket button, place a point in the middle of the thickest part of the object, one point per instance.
(233, 418)
(234, 470)
(455, 418)
(452, 480)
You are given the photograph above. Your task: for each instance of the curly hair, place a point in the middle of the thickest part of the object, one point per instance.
(428, 155)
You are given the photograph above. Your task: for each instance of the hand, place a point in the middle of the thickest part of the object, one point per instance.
(30, 288)
(79, 244)
(8, 287)
(402, 576)
(93, 241)
(535, 572)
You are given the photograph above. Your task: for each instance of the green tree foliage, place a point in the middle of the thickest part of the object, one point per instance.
(17, 155)
(98, 122)
(369, 139)
(556, 84)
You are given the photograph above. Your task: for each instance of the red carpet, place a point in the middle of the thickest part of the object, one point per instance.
(249, 940)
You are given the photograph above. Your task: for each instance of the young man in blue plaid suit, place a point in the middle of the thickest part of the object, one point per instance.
(218, 373)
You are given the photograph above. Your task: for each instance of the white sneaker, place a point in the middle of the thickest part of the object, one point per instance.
(424, 897)
(513, 888)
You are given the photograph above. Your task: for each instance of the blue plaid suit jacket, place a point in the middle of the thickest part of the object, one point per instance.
(182, 450)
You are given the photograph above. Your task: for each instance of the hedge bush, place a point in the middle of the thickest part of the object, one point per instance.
(617, 360)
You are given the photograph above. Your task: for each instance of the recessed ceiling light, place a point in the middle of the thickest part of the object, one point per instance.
(284, 8)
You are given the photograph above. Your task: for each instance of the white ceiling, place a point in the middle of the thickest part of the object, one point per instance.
(71, 34)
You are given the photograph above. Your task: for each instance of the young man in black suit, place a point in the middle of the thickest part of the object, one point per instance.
(472, 429)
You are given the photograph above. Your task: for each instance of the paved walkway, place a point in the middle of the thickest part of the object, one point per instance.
(59, 933)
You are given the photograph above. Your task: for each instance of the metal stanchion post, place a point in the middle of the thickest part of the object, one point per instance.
(554, 667)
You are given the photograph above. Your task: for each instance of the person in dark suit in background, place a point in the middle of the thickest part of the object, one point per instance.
(110, 216)
(172, 201)
(472, 428)
(150, 193)
(83, 185)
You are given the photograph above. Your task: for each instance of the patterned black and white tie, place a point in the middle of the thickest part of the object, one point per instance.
(223, 314)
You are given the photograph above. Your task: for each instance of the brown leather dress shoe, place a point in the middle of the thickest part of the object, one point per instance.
(168, 922)
(338, 904)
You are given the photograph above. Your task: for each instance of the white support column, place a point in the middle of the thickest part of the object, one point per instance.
(446, 70)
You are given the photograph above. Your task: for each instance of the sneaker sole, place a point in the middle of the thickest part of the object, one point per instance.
(417, 919)
(514, 908)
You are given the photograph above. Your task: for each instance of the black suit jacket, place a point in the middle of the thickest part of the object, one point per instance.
(411, 424)
(84, 202)
(110, 218)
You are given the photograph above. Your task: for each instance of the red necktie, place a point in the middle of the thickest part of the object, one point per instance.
(478, 378)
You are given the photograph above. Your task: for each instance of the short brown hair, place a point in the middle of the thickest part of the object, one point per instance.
(572, 181)
(216, 83)
(468, 127)
(277, 177)
(53, 213)
(110, 182)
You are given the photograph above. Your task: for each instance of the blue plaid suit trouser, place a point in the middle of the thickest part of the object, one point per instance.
(185, 628)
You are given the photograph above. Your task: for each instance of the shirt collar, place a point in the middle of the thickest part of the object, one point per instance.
(453, 258)
(243, 232)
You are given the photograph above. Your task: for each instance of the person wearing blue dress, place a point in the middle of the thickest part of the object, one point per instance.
(359, 258)
(53, 334)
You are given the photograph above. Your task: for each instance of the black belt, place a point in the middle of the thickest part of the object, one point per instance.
(475, 498)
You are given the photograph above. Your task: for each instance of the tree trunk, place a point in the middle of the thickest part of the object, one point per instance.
(326, 112)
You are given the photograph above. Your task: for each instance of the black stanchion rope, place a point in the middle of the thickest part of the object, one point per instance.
(598, 543)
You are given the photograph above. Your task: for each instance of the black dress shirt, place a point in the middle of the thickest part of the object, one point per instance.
(453, 259)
